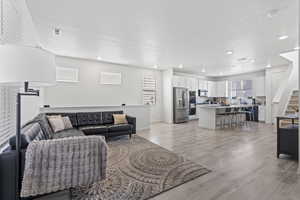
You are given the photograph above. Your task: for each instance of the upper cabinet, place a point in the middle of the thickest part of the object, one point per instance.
(202, 84)
(221, 89)
(212, 89)
(185, 82)
(192, 84)
(179, 81)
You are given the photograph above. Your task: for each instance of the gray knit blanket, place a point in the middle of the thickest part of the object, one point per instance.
(59, 164)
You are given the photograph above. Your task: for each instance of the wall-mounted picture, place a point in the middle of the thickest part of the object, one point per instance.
(110, 78)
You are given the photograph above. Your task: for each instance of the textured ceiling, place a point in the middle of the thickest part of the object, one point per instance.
(168, 33)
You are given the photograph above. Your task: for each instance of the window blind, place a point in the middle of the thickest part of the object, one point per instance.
(149, 90)
(7, 113)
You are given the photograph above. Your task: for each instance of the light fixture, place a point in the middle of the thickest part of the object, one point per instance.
(155, 66)
(268, 66)
(99, 58)
(229, 52)
(180, 66)
(21, 65)
(283, 37)
(203, 70)
(221, 73)
(297, 48)
(252, 60)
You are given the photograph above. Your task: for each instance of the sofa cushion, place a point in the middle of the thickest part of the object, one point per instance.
(120, 119)
(29, 133)
(56, 122)
(44, 123)
(68, 133)
(67, 122)
(72, 117)
(94, 129)
(107, 117)
(119, 127)
(90, 118)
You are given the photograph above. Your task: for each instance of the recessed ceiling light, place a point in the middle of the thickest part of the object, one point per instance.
(203, 70)
(268, 66)
(180, 66)
(283, 37)
(221, 73)
(297, 48)
(99, 58)
(252, 61)
(155, 66)
(229, 52)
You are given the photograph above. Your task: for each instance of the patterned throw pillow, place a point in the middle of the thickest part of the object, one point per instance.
(56, 122)
(67, 122)
(120, 119)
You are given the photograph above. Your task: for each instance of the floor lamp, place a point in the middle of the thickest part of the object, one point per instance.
(19, 66)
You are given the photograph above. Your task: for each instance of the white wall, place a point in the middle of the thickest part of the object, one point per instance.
(168, 96)
(275, 77)
(19, 29)
(89, 92)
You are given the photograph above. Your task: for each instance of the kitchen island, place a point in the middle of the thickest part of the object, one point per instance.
(207, 114)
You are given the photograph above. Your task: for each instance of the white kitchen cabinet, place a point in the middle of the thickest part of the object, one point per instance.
(179, 81)
(202, 85)
(212, 89)
(221, 89)
(259, 86)
(192, 84)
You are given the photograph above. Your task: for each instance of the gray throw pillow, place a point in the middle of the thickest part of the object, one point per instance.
(67, 122)
(56, 122)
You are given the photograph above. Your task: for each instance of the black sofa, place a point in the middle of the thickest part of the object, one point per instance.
(87, 123)
(100, 123)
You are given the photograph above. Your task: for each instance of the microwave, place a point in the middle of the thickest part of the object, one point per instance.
(202, 93)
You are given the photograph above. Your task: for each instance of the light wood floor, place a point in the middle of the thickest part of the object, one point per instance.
(243, 163)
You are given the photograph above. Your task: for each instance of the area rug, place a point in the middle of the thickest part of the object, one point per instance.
(139, 169)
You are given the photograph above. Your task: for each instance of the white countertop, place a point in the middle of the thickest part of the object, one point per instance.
(213, 106)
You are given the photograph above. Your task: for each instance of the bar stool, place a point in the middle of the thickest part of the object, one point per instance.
(249, 113)
(236, 116)
(225, 118)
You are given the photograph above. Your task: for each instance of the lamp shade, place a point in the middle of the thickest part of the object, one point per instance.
(19, 64)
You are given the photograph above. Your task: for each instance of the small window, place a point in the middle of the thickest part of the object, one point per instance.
(109, 78)
(64, 74)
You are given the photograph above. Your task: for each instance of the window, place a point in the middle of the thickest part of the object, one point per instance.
(149, 90)
(7, 113)
(67, 74)
(241, 88)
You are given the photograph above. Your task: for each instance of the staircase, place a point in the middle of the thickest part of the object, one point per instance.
(292, 108)
(293, 105)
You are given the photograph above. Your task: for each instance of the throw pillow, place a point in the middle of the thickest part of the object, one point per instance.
(120, 119)
(67, 122)
(56, 122)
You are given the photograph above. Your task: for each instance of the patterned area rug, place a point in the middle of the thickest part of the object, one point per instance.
(138, 170)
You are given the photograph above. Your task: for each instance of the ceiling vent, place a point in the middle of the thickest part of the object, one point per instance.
(243, 59)
(57, 31)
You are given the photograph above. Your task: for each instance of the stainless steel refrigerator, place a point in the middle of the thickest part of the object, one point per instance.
(180, 105)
